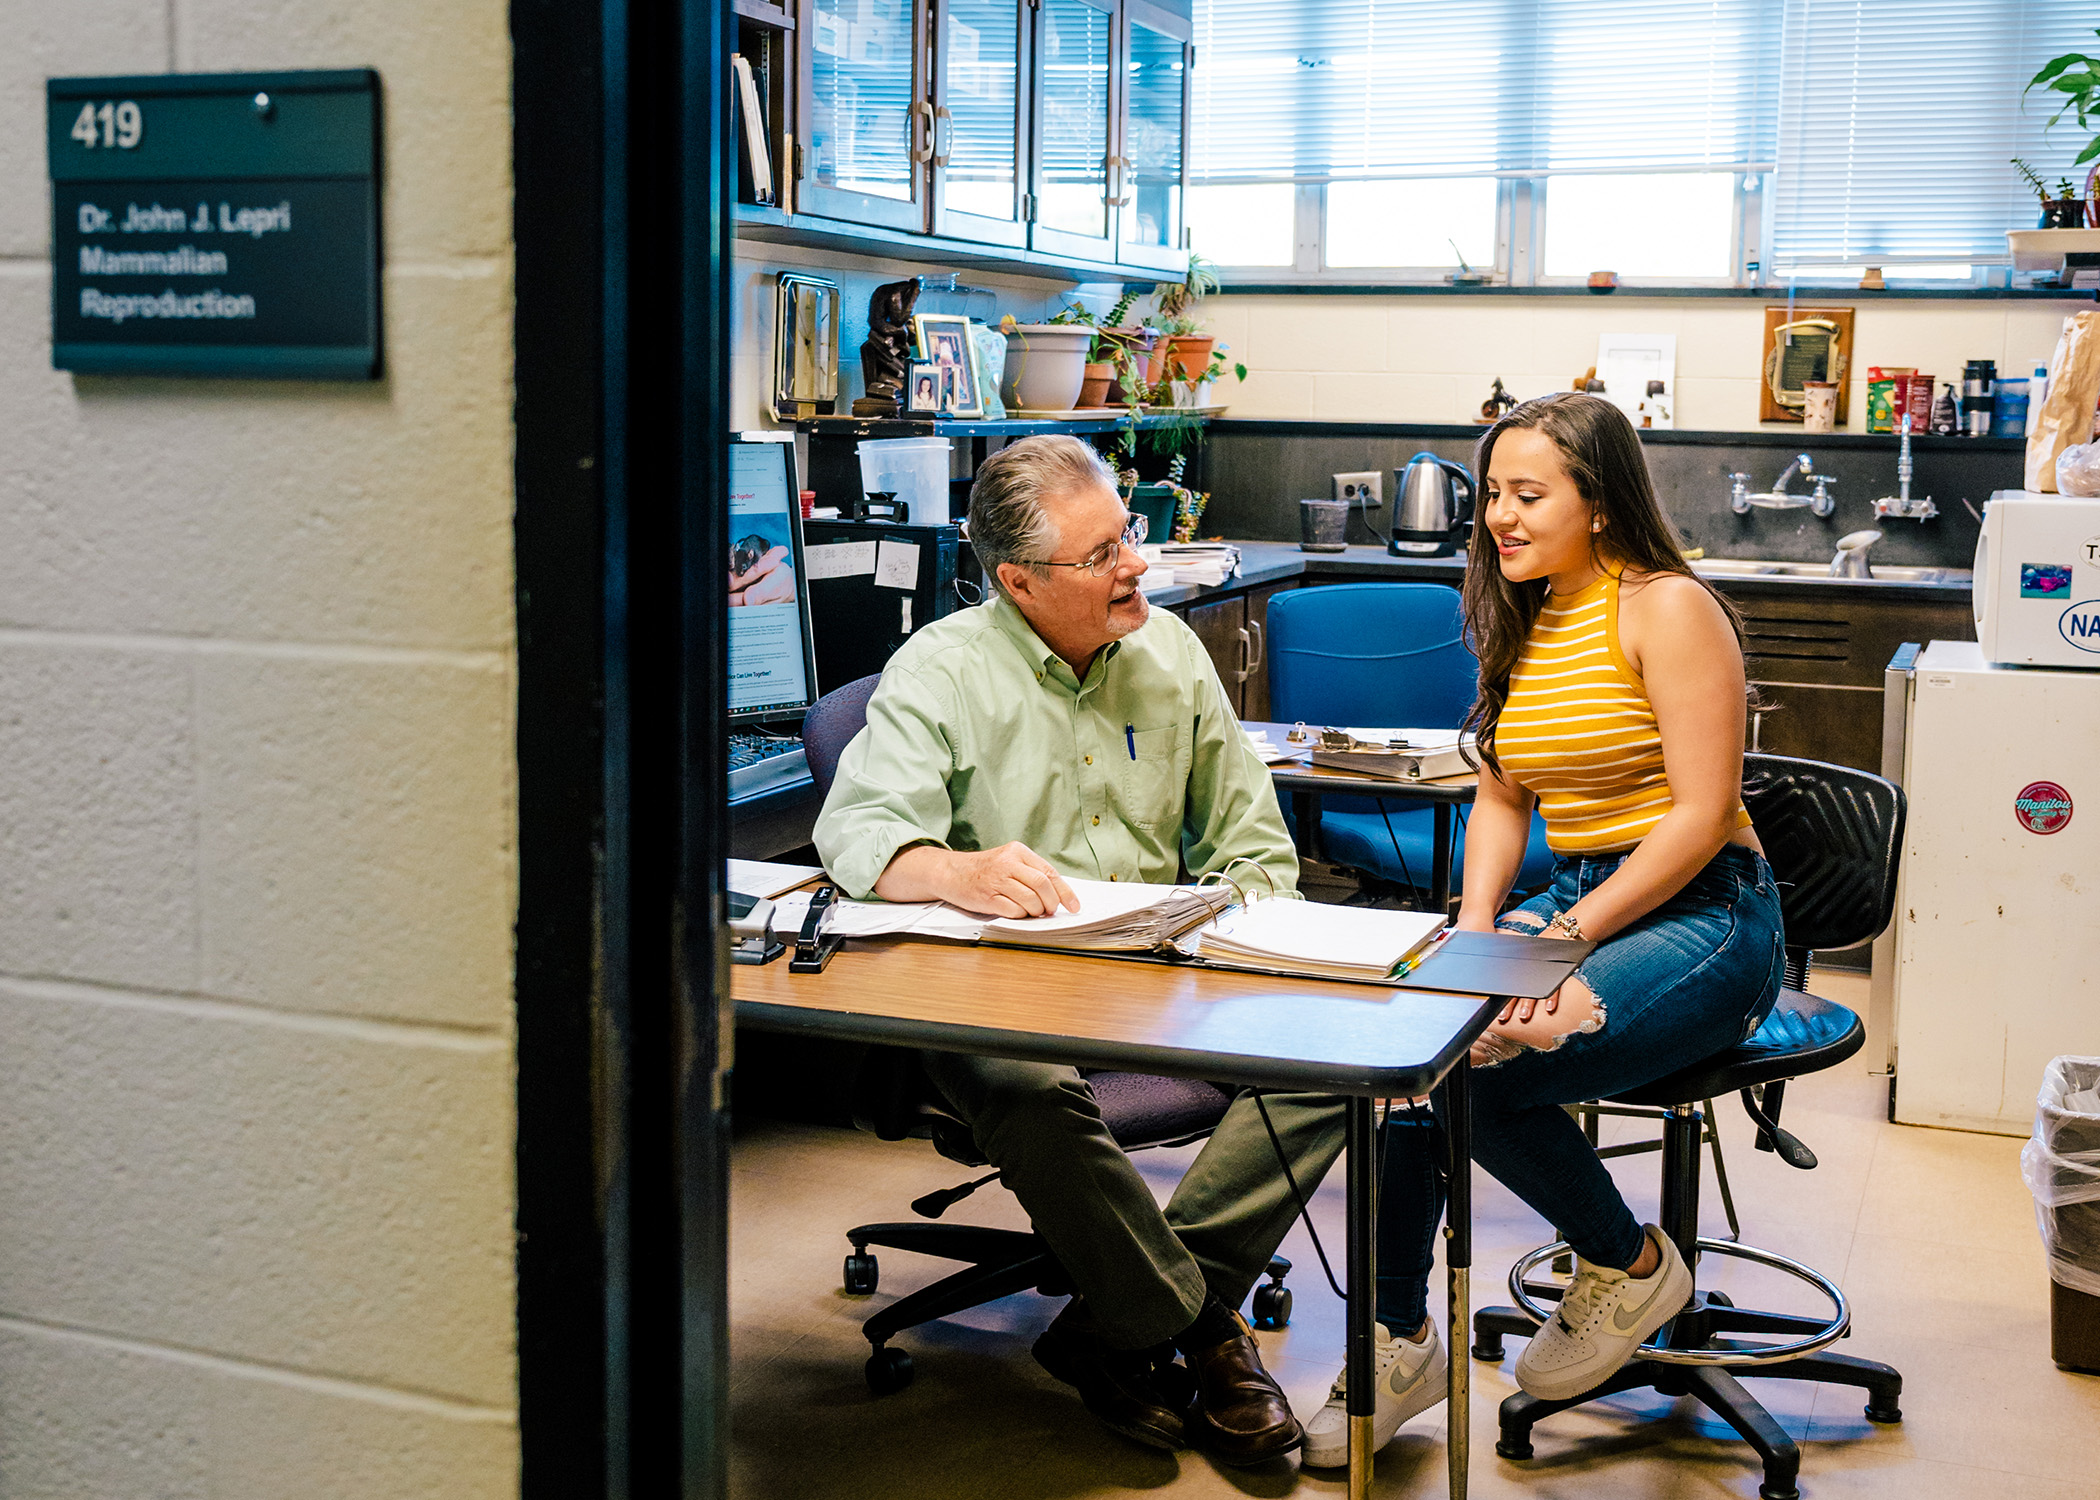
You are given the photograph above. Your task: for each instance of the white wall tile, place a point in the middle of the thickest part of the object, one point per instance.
(355, 836)
(98, 836)
(85, 1417)
(1314, 334)
(1270, 393)
(1438, 335)
(304, 1197)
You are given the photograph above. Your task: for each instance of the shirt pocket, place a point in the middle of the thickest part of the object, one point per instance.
(1154, 777)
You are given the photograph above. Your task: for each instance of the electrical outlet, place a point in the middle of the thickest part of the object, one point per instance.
(1365, 491)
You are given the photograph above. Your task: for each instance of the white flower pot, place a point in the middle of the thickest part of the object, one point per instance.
(1045, 366)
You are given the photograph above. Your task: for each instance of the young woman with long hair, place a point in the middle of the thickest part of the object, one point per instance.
(1612, 698)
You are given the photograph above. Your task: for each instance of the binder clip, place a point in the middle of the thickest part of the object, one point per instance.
(813, 945)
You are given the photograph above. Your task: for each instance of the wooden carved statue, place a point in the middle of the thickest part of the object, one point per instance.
(884, 357)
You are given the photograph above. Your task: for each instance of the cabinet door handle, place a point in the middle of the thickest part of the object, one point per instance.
(940, 152)
(1261, 647)
(1757, 730)
(923, 154)
(1246, 664)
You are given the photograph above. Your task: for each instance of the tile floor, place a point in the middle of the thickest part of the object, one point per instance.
(1931, 1233)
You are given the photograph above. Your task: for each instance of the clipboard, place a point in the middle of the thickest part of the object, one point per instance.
(1498, 963)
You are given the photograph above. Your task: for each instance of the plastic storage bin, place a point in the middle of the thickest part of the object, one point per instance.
(914, 469)
(2062, 1167)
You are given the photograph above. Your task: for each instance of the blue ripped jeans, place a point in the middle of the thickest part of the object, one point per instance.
(1696, 975)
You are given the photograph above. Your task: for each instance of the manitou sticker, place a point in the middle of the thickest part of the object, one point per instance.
(2042, 807)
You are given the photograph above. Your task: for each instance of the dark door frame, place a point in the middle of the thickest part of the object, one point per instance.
(623, 222)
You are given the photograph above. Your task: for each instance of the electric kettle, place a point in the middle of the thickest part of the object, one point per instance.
(1429, 517)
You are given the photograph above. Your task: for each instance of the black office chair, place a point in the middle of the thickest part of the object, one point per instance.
(1832, 836)
(893, 1099)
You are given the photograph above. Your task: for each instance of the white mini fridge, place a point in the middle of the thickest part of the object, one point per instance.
(1997, 926)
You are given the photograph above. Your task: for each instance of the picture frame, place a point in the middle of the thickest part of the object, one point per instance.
(945, 342)
(922, 390)
(1803, 344)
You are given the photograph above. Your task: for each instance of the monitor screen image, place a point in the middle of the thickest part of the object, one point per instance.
(769, 657)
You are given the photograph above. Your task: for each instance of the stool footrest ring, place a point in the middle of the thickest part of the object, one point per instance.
(1739, 1354)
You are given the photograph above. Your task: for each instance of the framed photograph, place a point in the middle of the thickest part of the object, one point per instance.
(945, 343)
(922, 391)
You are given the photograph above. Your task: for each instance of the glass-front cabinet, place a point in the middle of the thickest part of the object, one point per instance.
(980, 131)
(1152, 162)
(867, 125)
(1075, 110)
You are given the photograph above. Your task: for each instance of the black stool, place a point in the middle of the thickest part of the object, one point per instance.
(1831, 835)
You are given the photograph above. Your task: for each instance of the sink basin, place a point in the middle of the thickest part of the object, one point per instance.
(1750, 567)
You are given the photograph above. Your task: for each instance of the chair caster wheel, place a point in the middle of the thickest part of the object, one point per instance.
(1489, 1350)
(1778, 1492)
(888, 1371)
(1518, 1449)
(1271, 1306)
(1885, 1414)
(862, 1275)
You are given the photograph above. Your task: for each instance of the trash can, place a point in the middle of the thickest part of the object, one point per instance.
(2062, 1167)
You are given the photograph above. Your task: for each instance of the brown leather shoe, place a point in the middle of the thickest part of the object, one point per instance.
(1240, 1414)
(1116, 1385)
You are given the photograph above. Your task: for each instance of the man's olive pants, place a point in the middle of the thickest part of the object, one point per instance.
(1143, 1272)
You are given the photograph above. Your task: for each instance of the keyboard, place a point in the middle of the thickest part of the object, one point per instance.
(760, 763)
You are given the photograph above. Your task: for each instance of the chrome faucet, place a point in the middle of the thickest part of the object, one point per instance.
(1779, 497)
(1900, 506)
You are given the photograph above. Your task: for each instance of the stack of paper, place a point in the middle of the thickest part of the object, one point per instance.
(1178, 563)
(1328, 942)
(1410, 754)
(1116, 917)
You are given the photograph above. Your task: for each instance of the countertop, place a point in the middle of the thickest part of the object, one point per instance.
(1263, 563)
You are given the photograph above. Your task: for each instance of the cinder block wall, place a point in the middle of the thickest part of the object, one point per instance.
(257, 834)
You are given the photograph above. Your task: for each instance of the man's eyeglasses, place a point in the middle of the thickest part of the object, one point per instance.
(1103, 559)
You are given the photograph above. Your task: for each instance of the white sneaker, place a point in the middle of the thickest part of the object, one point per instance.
(1604, 1316)
(1411, 1379)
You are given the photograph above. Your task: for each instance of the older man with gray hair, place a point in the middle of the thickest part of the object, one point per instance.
(1062, 729)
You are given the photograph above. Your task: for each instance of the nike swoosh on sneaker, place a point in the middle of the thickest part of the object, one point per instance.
(1621, 1322)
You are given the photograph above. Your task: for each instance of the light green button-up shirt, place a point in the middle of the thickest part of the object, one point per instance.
(979, 735)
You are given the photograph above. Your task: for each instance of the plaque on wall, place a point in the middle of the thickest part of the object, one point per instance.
(216, 224)
(1803, 344)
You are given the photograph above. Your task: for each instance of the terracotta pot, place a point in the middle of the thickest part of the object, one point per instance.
(1093, 389)
(1188, 355)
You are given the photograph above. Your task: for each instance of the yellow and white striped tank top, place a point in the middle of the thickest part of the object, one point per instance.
(1578, 732)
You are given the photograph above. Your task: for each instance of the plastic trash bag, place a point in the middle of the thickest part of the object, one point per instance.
(2078, 470)
(2061, 1164)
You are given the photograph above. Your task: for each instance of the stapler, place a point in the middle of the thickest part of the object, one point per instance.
(814, 945)
(751, 930)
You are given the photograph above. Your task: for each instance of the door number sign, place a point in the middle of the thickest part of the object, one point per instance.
(216, 224)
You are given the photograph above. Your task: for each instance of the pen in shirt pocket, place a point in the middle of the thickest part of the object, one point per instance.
(1130, 740)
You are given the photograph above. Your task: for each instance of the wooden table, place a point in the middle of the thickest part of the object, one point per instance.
(1363, 1042)
(1308, 783)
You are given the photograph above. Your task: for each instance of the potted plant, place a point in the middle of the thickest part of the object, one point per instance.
(2076, 76)
(1184, 349)
(1045, 363)
(2061, 208)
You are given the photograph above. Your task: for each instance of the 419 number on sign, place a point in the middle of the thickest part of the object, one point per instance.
(109, 124)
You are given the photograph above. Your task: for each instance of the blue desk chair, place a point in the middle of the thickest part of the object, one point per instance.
(1390, 655)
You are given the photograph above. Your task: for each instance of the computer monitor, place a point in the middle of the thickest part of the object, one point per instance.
(772, 666)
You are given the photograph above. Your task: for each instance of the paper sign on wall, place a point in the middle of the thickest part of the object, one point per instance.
(839, 559)
(897, 565)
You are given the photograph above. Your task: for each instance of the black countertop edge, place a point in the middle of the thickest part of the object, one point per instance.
(1816, 294)
(1774, 436)
(1264, 563)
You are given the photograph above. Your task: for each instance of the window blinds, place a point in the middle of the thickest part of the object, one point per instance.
(1319, 90)
(1898, 122)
